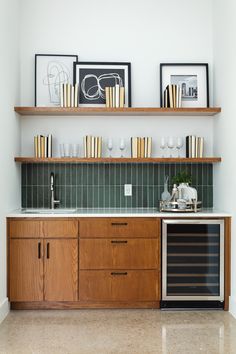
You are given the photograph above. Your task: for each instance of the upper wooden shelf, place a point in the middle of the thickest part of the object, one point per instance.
(132, 111)
(117, 160)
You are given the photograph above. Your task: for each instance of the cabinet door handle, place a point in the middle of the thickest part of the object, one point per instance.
(39, 250)
(119, 241)
(48, 250)
(119, 273)
(119, 224)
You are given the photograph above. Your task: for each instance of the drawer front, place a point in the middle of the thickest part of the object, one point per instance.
(24, 228)
(119, 227)
(122, 285)
(60, 228)
(118, 253)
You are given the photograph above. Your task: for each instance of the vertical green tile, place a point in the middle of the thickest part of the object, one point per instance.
(107, 197)
(128, 173)
(118, 174)
(79, 174)
(85, 175)
(101, 196)
(96, 175)
(35, 175)
(24, 197)
(112, 175)
(24, 175)
(68, 175)
(200, 175)
(79, 197)
(46, 196)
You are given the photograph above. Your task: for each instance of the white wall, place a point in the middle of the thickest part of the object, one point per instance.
(145, 33)
(225, 124)
(10, 130)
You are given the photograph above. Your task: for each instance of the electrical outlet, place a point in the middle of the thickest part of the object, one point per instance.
(128, 190)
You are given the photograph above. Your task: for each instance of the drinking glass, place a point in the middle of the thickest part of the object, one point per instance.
(170, 144)
(75, 150)
(179, 144)
(110, 146)
(67, 150)
(61, 148)
(163, 145)
(122, 146)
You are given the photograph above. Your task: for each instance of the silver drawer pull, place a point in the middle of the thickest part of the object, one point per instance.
(119, 224)
(119, 273)
(119, 241)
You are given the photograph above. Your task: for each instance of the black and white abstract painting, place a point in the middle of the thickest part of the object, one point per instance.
(50, 72)
(93, 78)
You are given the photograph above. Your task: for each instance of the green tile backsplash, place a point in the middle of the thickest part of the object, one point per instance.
(101, 185)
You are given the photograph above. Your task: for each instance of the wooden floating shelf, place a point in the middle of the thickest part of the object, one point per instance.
(117, 160)
(131, 111)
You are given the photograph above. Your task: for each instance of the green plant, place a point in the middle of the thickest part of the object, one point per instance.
(182, 177)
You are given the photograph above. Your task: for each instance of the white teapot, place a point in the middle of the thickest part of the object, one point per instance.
(187, 193)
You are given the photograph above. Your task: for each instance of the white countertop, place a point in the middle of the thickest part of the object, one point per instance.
(136, 212)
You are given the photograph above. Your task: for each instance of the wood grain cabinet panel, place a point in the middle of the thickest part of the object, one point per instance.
(25, 228)
(118, 254)
(116, 285)
(60, 228)
(61, 270)
(26, 270)
(119, 227)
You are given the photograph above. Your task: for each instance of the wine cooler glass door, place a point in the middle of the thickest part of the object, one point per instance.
(193, 260)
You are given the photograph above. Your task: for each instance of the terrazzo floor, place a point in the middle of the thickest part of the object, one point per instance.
(117, 331)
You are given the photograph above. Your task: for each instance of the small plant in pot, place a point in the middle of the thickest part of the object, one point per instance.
(182, 177)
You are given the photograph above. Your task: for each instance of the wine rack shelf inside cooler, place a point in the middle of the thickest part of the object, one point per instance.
(192, 260)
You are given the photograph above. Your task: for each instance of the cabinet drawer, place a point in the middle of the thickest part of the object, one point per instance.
(118, 253)
(119, 227)
(24, 228)
(60, 228)
(125, 285)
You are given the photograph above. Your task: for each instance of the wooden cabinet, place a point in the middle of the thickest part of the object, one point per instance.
(86, 262)
(26, 270)
(43, 268)
(61, 270)
(119, 261)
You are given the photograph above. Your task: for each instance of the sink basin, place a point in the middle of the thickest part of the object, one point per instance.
(48, 211)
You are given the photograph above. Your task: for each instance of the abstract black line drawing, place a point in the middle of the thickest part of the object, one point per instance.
(93, 78)
(98, 90)
(57, 74)
(50, 72)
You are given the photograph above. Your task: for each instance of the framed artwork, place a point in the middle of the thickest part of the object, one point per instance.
(52, 70)
(193, 80)
(94, 77)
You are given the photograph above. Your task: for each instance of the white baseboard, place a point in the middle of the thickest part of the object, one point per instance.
(4, 309)
(232, 306)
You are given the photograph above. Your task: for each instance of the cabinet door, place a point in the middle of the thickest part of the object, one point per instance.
(26, 270)
(61, 270)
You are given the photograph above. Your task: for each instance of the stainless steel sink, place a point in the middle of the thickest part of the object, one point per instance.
(48, 211)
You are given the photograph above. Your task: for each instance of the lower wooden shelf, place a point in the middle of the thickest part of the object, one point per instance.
(118, 160)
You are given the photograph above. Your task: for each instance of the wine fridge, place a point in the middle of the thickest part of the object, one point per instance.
(193, 260)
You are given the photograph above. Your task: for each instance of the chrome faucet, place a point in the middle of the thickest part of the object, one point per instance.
(53, 202)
